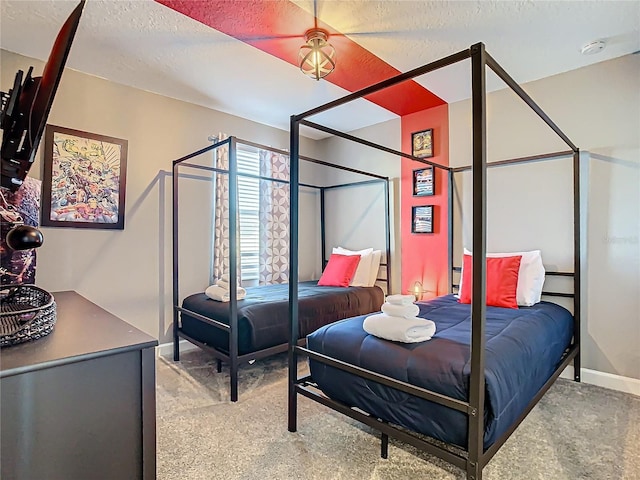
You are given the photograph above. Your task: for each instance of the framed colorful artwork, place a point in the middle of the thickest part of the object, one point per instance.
(83, 181)
(422, 219)
(422, 143)
(423, 182)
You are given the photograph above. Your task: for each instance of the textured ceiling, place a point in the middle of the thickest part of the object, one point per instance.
(363, 67)
(147, 45)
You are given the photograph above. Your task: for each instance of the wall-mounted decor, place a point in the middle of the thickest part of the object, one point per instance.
(83, 179)
(21, 207)
(423, 182)
(422, 219)
(422, 143)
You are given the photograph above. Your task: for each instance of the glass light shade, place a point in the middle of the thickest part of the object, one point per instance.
(417, 290)
(318, 57)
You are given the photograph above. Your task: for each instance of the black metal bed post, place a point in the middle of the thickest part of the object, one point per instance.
(387, 226)
(478, 300)
(233, 268)
(294, 178)
(498, 70)
(450, 230)
(174, 208)
(577, 283)
(323, 234)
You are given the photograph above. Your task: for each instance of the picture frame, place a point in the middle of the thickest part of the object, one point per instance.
(423, 182)
(83, 179)
(422, 219)
(422, 143)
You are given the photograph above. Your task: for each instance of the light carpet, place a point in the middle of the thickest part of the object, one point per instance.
(577, 431)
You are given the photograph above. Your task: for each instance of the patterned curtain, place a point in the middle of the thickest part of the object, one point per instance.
(221, 214)
(274, 219)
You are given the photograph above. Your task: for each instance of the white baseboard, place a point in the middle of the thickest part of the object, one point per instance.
(166, 349)
(606, 380)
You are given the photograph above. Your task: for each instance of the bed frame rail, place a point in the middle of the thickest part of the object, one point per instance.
(388, 381)
(312, 392)
(455, 287)
(221, 356)
(306, 386)
(493, 449)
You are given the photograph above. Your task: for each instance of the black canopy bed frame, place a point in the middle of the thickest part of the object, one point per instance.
(475, 456)
(231, 355)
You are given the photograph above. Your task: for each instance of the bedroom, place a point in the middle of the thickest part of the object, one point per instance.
(592, 103)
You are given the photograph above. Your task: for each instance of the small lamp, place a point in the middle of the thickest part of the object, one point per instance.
(418, 290)
(24, 237)
(19, 236)
(318, 57)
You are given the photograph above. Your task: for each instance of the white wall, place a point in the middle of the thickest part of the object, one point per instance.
(355, 215)
(598, 108)
(129, 272)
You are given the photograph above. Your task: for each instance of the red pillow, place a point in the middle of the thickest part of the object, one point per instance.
(339, 270)
(502, 281)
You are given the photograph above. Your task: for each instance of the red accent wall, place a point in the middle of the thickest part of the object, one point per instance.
(424, 255)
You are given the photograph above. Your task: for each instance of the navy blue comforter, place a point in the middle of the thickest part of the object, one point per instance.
(523, 348)
(263, 316)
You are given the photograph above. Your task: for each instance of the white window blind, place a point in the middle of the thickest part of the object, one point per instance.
(249, 202)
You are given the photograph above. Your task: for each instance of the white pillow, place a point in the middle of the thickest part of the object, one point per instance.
(361, 277)
(375, 266)
(530, 275)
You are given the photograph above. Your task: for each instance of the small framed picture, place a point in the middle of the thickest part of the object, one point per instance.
(422, 219)
(422, 143)
(423, 182)
(83, 183)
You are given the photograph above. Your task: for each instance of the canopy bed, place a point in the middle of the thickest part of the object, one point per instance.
(253, 326)
(461, 394)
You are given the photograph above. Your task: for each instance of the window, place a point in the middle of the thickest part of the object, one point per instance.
(249, 217)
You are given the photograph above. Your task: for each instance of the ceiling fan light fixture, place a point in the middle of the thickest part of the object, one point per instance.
(317, 57)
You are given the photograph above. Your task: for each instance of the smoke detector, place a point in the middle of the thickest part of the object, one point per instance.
(593, 47)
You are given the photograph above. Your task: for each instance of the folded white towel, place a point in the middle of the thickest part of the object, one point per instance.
(223, 284)
(399, 329)
(406, 311)
(215, 292)
(401, 299)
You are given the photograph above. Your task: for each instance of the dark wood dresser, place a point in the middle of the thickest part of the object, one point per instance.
(79, 404)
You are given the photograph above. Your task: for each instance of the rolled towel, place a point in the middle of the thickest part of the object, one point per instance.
(223, 284)
(399, 329)
(406, 311)
(215, 292)
(401, 299)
